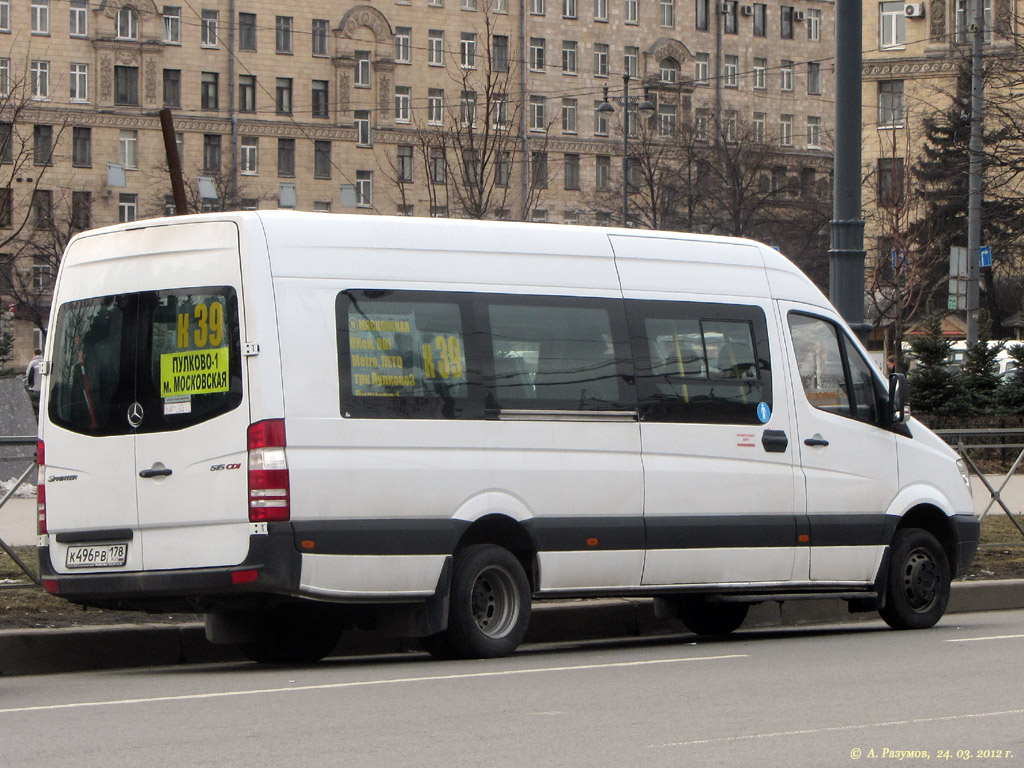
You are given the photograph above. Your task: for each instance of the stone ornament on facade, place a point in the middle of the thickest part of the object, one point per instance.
(109, 8)
(372, 19)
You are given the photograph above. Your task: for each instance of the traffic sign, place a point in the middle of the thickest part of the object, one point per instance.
(985, 256)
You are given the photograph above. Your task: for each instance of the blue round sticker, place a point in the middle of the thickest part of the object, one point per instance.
(764, 412)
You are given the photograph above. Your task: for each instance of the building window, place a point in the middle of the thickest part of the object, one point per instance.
(569, 9)
(601, 10)
(208, 28)
(322, 206)
(539, 215)
(892, 25)
(568, 115)
(283, 96)
(760, 125)
(814, 25)
(539, 170)
(702, 14)
(786, 74)
(700, 124)
(42, 144)
(211, 153)
(283, 34)
(536, 7)
(81, 147)
(247, 93)
(172, 24)
(813, 132)
(78, 25)
(404, 165)
(537, 105)
(286, 157)
(438, 166)
(467, 50)
(40, 19)
(5, 77)
(730, 72)
(208, 96)
(79, 82)
(666, 120)
(127, 207)
(467, 109)
(600, 120)
(729, 124)
(964, 18)
(42, 218)
(631, 61)
(499, 53)
(760, 20)
(319, 42)
(601, 59)
(569, 52)
(403, 103)
(438, 211)
(760, 73)
(249, 162)
(435, 48)
(321, 106)
(813, 78)
(786, 22)
(503, 169)
(468, 5)
(126, 86)
(6, 206)
(730, 22)
(81, 210)
(127, 24)
(786, 130)
(364, 189)
(499, 6)
(631, 11)
(702, 66)
(435, 106)
(362, 125)
(603, 173)
(667, 14)
(39, 79)
(172, 87)
(571, 171)
(890, 181)
(890, 103)
(321, 159)
(403, 45)
(362, 73)
(128, 149)
(247, 31)
(537, 46)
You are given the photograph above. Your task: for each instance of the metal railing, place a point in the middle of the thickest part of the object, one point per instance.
(27, 441)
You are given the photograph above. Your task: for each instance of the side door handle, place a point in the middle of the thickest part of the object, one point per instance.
(162, 472)
(774, 441)
(815, 441)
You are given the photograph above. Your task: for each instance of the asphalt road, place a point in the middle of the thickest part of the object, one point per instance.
(808, 697)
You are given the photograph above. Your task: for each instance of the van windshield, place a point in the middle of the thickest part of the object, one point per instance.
(145, 362)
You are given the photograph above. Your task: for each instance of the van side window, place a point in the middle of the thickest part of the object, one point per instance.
(556, 353)
(700, 363)
(403, 354)
(834, 376)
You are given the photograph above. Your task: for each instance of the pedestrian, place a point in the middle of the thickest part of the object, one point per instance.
(34, 380)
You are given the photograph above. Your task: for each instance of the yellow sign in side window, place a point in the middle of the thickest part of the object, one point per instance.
(194, 373)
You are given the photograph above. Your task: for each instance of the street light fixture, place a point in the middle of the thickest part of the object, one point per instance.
(645, 108)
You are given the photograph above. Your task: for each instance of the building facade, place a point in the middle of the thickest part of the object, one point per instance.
(415, 107)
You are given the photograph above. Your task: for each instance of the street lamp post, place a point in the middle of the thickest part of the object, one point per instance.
(645, 107)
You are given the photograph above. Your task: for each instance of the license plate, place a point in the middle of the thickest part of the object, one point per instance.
(97, 556)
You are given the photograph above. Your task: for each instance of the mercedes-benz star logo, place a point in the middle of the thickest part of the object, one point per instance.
(135, 414)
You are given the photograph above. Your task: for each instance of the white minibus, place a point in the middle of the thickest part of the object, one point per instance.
(299, 423)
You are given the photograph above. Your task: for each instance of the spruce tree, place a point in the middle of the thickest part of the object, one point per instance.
(932, 387)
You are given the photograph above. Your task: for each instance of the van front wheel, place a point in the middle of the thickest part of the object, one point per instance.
(489, 609)
(918, 589)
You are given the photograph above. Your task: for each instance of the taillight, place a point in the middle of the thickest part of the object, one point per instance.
(268, 472)
(40, 489)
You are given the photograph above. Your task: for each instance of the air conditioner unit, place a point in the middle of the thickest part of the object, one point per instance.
(798, 15)
(725, 6)
(913, 10)
(748, 10)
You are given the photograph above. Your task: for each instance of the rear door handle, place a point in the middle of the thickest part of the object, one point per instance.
(147, 473)
(813, 441)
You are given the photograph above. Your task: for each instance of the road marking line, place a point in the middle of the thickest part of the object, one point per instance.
(365, 683)
(836, 728)
(993, 637)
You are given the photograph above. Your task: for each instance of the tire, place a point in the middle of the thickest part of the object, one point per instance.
(704, 618)
(294, 634)
(918, 587)
(489, 606)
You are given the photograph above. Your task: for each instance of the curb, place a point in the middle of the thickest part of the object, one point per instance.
(77, 649)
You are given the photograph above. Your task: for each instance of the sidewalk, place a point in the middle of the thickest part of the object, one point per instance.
(39, 651)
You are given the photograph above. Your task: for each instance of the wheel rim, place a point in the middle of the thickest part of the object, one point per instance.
(495, 601)
(921, 580)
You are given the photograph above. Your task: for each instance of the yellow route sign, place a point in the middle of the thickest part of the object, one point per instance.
(194, 373)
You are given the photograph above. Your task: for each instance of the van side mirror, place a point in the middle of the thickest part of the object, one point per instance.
(896, 411)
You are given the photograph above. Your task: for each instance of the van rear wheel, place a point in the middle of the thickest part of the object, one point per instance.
(294, 634)
(919, 578)
(706, 618)
(489, 609)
